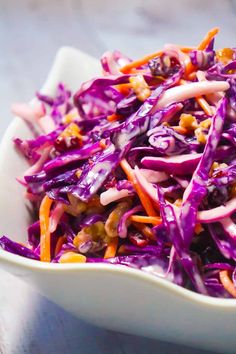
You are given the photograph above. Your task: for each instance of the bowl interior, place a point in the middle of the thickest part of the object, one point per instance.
(71, 67)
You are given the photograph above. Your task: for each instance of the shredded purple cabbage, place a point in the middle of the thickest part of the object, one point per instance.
(137, 182)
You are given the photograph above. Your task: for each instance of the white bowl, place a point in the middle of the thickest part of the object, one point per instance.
(113, 297)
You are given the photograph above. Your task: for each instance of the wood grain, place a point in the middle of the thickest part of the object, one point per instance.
(31, 31)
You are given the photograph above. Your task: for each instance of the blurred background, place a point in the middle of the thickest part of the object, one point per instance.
(31, 32)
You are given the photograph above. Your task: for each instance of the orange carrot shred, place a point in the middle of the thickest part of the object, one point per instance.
(59, 244)
(187, 49)
(155, 220)
(111, 248)
(189, 68)
(139, 62)
(124, 88)
(192, 76)
(138, 71)
(207, 39)
(114, 117)
(145, 200)
(145, 230)
(44, 211)
(227, 282)
(102, 143)
(204, 105)
(120, 86)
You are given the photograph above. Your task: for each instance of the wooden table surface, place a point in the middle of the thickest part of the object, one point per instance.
(31, 31)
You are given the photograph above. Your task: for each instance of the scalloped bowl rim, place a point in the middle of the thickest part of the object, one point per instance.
(33, 265)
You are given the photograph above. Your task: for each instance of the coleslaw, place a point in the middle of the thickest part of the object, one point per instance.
(138, 168)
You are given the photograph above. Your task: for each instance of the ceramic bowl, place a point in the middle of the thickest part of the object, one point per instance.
(114, 297)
